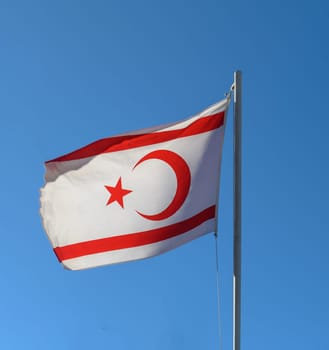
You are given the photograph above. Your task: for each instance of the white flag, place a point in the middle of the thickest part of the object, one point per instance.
(135, 195)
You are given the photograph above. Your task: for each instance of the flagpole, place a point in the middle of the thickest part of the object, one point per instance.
(237, 212)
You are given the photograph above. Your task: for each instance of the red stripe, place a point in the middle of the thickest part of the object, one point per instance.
(121, 143)
(133, 240)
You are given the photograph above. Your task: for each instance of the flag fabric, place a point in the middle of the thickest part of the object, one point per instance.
(135, 195)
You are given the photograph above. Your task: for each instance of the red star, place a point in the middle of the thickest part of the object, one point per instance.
(117, 193)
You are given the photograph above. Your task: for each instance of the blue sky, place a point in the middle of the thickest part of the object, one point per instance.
(76, 71)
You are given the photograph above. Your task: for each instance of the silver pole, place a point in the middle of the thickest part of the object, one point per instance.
(237, 212)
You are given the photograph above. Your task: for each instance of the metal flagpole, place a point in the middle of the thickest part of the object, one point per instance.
(237, 212)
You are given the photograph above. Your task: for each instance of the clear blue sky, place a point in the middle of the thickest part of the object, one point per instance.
(76, 71)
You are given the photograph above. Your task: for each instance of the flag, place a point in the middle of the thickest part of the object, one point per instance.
(135, 195)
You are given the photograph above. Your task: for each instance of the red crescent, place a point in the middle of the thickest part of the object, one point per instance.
(183, 176)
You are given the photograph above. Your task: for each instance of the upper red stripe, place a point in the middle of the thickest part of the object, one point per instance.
(121, 143)
(133, 239)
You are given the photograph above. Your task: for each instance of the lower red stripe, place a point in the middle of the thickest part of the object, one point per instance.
(133, 239)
